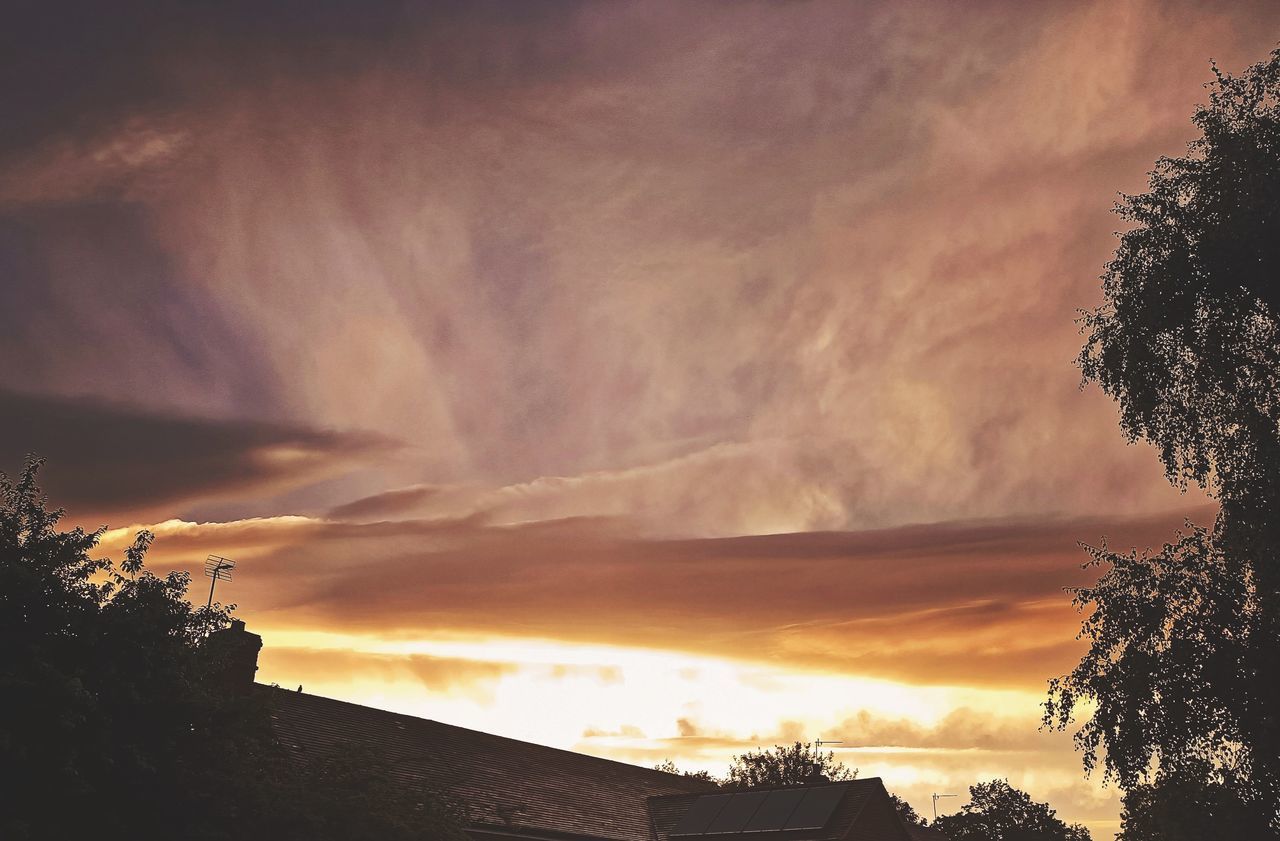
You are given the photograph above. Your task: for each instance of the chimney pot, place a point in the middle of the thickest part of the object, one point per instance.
(235, 652)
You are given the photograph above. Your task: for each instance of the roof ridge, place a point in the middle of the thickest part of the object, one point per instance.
(771, 788)
(483, 733)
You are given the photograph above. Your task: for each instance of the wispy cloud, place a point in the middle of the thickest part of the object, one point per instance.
(683, 318)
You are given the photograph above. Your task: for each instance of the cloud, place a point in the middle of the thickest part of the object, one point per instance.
(106, 459)
(442, 675)
(760, 274)
(959, 603)
(637, 285)
(960, 729)
(387, 504)
(70, 170)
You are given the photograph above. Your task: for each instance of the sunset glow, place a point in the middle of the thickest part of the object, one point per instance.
(654, 380)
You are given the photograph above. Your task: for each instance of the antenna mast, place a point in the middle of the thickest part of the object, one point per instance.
(218, 569)
(936, 798)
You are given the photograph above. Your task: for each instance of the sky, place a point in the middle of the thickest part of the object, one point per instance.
(657, 380)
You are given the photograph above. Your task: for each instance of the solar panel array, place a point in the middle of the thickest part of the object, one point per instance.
(759, 811)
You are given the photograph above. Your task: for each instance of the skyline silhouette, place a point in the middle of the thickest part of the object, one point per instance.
(699, 376)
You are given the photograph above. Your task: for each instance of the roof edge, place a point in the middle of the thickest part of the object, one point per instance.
(654, 772)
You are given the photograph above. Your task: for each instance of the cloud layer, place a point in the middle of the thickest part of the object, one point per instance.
(742, 330)
(726, 270)
(979, 604)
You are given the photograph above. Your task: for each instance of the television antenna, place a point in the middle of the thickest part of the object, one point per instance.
(218, 569)
(936, 798)
(816, 769)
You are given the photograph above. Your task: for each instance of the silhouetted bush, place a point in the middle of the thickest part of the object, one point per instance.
(116, 722)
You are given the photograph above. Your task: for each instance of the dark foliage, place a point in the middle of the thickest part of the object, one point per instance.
(997, 811)
(785, 765)
(671, 768)
(1187, 810)
(1187, 340)
(1188, 343)
(909, 815)
(115, 722)
(1176, 672)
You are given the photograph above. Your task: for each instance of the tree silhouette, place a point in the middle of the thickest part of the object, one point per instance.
(905, 811)
(786, 765)
(1175, 672)
(670, 767)
(1186, 810)
(116, 724)
(1187, 339)
(997, 811)
(1188, 343)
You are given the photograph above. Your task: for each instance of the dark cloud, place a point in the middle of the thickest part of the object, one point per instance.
(75, 65)
(110, 459)
(388, 504)
(90, 303)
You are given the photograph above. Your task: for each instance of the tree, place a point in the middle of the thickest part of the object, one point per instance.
(1175, 672)
(113, 709)
(909, 815)
(1186, 810)
(670, 767)
(997, 811)
(1187, 341)
(795, 764)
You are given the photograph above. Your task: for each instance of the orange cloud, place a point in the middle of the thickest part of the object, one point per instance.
(966, 603)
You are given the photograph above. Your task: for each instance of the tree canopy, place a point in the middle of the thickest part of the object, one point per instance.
(1187, 338)
(114, 709)
(670, 767)
(785, 765)
(1187, 341)
(997, 811)
(905, 811)
(796, 764)
(1175, 672)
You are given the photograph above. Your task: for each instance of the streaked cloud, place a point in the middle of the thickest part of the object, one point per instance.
(735, 332)
(966, 603)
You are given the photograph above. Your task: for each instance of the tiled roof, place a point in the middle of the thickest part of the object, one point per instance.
(864, 813)
(506, 784)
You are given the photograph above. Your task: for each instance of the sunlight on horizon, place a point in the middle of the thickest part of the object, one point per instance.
(646, 705)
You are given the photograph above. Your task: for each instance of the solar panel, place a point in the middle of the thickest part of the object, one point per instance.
(775, 810)
(700, 814)
(734, 816)
(816, 808)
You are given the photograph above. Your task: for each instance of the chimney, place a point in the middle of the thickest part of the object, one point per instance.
(235, 656)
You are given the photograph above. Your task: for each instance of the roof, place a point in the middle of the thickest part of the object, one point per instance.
(925, 833)
(506, 784)
(863, 813)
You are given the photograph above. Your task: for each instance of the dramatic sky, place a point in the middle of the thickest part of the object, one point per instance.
(651, 379)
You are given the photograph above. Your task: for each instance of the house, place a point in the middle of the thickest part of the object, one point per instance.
(518, 791)
(851, 810)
